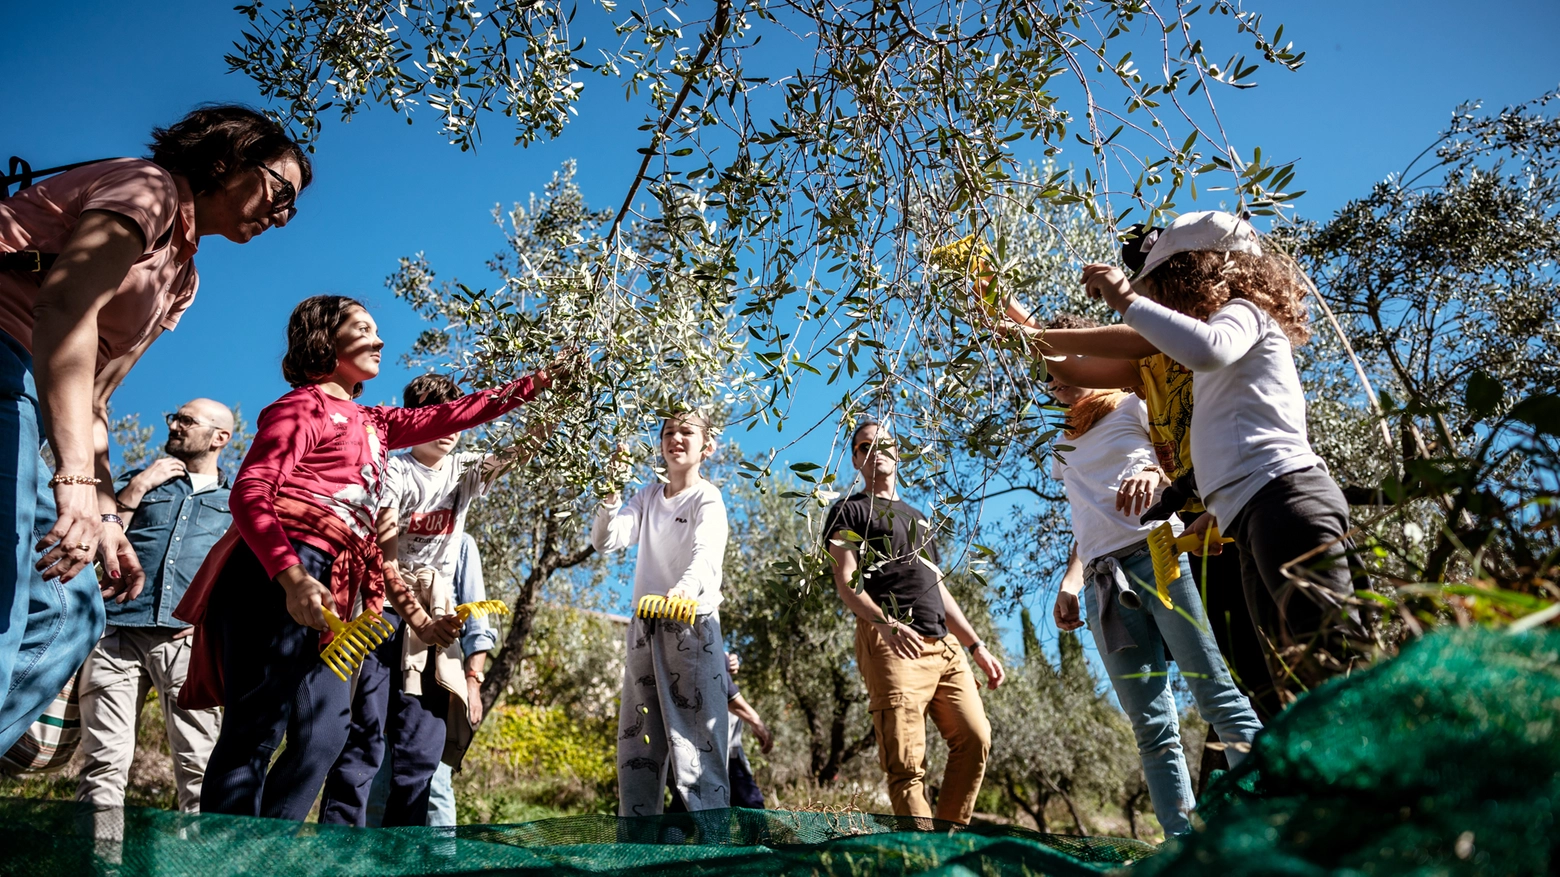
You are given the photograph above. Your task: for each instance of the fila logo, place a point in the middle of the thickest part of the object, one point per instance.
(435, 523)
(681, 520)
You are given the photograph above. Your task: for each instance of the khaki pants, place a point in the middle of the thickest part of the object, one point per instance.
(122, 666)
(901, 693)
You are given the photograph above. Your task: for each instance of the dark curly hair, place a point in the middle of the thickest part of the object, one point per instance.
(1199, 282)
(311, 339)
(1072, 321)
(429, 389)
(213, 142)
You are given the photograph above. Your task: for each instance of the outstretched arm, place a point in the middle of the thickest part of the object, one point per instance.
(1094, 373)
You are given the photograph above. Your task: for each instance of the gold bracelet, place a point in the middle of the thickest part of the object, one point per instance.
(74, 479)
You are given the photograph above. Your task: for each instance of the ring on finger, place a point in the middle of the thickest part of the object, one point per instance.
(82, 546)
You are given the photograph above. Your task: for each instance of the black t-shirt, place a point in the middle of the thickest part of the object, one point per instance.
(895, 537)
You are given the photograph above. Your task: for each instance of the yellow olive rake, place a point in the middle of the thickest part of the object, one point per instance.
(1165, 549)
(354, 640)
(480, 609)
(675, 608)
(965, 255)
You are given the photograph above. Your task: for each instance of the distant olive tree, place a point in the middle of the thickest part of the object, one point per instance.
(1445, 279)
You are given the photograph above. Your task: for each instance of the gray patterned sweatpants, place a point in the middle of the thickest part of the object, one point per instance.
(673, 716)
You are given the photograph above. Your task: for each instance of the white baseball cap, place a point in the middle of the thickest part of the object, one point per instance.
(1210, 230)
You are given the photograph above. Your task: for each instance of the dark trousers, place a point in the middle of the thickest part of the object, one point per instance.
(1219, 580)
(385, 717)
(276, 687)
(1305, 621)
(1229, 614)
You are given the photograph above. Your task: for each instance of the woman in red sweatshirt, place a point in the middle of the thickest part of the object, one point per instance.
(304, 505)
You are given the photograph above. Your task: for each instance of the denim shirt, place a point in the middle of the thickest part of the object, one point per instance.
(477, 635)
(173, 529)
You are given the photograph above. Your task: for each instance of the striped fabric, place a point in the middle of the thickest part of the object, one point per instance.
(50, 740)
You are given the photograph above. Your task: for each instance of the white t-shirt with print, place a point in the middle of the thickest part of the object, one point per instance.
(432, 505)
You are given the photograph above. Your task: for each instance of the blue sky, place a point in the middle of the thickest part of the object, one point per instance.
(89, 79)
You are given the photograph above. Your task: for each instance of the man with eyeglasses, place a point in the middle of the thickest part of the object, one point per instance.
(909, 634)
(172, 511)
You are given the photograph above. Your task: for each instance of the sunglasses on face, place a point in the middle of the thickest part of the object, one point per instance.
(282, 199)
(184, 421)
(887, 444)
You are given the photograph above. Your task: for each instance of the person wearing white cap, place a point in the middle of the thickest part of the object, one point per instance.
(1212, 300)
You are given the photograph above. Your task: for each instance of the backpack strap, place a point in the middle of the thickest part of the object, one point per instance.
(22, 175)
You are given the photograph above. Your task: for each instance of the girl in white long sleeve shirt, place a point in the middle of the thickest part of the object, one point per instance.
(1217, 305)
(673, 715)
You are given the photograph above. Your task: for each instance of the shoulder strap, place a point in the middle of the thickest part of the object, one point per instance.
(22, 172)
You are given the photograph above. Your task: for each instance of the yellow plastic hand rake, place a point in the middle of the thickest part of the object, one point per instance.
(467, 611)
(1165, 549)
(354, 640)
(965, 255)
(675, 608)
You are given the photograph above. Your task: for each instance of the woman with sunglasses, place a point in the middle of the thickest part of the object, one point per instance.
(95, 264)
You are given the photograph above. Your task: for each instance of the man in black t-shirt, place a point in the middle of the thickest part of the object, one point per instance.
(908, 636)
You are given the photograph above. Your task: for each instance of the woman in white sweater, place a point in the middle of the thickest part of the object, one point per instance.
(673, 716)
(1209, 298)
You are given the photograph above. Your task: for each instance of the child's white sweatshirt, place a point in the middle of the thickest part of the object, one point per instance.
(681, 540)
(1248, 417)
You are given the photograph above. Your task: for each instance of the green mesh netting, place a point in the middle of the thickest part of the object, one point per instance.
(43, 839)
(1443, 761)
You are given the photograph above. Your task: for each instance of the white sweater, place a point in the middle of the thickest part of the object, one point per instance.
(681, 540)
(1248, 417)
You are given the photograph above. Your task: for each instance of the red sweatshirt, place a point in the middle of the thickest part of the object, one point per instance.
(330, 453)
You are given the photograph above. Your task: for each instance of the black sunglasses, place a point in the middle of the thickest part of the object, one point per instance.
(184, 421)
(282, 200)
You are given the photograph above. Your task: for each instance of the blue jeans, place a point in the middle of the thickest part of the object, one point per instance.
(1142, 682)
(441, 797)
(47, 629)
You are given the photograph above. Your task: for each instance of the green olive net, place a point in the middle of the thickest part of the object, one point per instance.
(42, 839)
(1443, 761)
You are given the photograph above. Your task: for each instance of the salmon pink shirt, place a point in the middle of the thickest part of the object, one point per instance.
(161, 283)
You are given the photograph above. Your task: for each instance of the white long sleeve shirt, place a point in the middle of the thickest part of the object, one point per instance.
(681, 540)
(1248, 417)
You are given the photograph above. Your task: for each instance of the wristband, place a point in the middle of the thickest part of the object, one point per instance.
(114, 519)
(975, 645)
(73, 479)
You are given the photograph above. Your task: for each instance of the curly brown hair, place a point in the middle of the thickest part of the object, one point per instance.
(1199, 282)
(311, 339)
(430, 389)
(215, 141)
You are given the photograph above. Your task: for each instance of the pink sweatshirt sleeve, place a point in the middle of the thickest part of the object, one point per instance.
(287, 430)
(404, 427)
